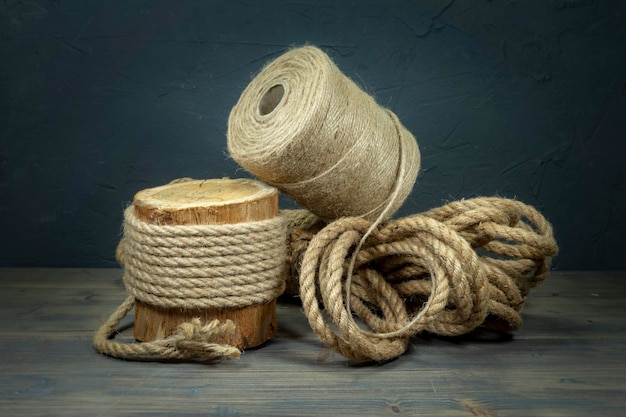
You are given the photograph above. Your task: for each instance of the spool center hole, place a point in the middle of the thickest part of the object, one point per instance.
(271, 99)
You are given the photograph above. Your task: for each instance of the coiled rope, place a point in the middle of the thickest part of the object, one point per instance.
(447, 271)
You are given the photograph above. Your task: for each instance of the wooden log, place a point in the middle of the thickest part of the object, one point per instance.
(214, 201)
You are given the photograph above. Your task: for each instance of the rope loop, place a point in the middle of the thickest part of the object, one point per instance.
(446, 271)
(189, 341)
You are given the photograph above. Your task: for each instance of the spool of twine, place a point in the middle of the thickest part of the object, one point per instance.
(307, 129)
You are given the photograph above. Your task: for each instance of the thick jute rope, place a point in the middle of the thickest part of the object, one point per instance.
(307, 129)
(447, 271)
(193, 267)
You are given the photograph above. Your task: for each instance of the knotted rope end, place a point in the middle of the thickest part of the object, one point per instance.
(193, 339)
(190, 340)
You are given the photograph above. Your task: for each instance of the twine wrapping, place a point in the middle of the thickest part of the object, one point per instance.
(195, 266)
(307, 129)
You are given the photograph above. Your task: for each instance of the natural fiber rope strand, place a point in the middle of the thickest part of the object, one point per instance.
(386, 212)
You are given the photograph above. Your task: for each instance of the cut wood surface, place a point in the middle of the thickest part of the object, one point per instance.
(568, 359)
(214, 201)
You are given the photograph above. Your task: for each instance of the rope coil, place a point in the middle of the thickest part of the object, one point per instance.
(446, 271)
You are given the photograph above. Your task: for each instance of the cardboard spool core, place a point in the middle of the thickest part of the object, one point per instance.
(271, 99)
(214, 201)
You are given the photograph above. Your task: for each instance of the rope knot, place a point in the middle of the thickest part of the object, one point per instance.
(193, 340)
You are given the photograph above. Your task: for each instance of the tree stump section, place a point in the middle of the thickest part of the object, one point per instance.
(215, 201)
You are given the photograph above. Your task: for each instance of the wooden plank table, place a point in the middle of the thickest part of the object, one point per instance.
(569, 359)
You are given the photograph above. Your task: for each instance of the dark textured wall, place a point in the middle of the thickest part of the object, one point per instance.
(99, 99)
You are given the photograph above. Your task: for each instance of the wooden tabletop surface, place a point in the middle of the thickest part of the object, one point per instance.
(568, 359)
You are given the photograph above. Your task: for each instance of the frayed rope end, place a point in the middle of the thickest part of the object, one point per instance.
(190, 340)
(193, 338)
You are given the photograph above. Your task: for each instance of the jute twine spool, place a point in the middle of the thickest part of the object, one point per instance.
(307, 129)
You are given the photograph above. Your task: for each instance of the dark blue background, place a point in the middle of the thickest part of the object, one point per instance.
(99, 99)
